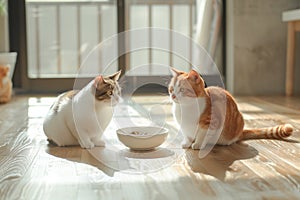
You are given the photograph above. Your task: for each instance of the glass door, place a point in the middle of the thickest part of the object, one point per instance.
(61, 34)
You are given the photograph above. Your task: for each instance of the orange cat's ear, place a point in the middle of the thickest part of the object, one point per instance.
(175, 72)
(98, 80)
(194, 76)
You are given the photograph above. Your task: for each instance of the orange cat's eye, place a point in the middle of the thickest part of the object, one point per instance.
(109, 92)
(181, 90)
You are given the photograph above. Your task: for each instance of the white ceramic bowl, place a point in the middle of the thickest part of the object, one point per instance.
(142, 138)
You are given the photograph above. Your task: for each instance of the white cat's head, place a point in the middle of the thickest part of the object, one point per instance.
(107, 88)
(184, 86)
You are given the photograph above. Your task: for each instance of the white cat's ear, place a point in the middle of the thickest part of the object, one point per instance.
(175, 72)
(98, 80)
(115, 76)
(193, 75)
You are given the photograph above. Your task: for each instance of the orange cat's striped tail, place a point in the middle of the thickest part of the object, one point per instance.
(277, 132)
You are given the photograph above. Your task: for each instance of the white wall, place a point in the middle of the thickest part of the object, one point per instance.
(4, 37)
(256, 47)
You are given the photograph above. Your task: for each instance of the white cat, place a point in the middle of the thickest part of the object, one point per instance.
(80, 117)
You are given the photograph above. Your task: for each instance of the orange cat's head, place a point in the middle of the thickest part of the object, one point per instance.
(186, 85)
(3, 71)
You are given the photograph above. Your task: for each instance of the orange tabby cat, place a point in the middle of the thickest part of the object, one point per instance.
(202, 111)
(5, 85)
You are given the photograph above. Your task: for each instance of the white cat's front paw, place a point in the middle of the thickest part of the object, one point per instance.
(99, 143)
(87, 144)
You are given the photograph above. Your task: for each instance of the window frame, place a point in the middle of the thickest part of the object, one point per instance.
(18, 43)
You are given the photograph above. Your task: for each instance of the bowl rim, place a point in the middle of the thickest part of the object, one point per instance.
(162, 131)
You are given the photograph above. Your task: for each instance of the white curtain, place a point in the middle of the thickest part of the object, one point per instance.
(208, 30)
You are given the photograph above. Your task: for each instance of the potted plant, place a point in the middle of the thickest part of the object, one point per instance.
(6, 58)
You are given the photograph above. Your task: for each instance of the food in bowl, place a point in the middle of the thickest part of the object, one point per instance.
(142, 138)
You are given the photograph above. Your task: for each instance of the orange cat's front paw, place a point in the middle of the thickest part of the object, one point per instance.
(196, 146)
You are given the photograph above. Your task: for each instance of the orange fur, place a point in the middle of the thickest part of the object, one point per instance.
(5, 85)
(229, 118)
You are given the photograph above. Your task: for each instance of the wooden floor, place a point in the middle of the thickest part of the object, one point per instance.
(30, 168)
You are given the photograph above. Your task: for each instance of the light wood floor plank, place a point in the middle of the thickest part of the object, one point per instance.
(30, 168)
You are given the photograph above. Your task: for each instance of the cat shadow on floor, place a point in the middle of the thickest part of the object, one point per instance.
(218, 161)
(109, 160)
(79, 155)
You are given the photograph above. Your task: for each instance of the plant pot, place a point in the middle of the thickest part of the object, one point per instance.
(9, 59)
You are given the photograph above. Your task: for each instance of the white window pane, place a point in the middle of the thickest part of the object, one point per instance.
(48, 40)
(139, 18)
(31, 41)
(89, 37)
(160, 19)
(68, 40)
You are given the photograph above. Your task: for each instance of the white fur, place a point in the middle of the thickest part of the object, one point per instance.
(187, 112)
(81, 120)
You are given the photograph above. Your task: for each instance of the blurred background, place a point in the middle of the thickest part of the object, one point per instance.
(247, 39)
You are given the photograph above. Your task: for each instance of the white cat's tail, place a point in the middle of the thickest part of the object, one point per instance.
(277, 132)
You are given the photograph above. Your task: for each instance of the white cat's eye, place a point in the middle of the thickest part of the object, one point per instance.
(181, 90)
